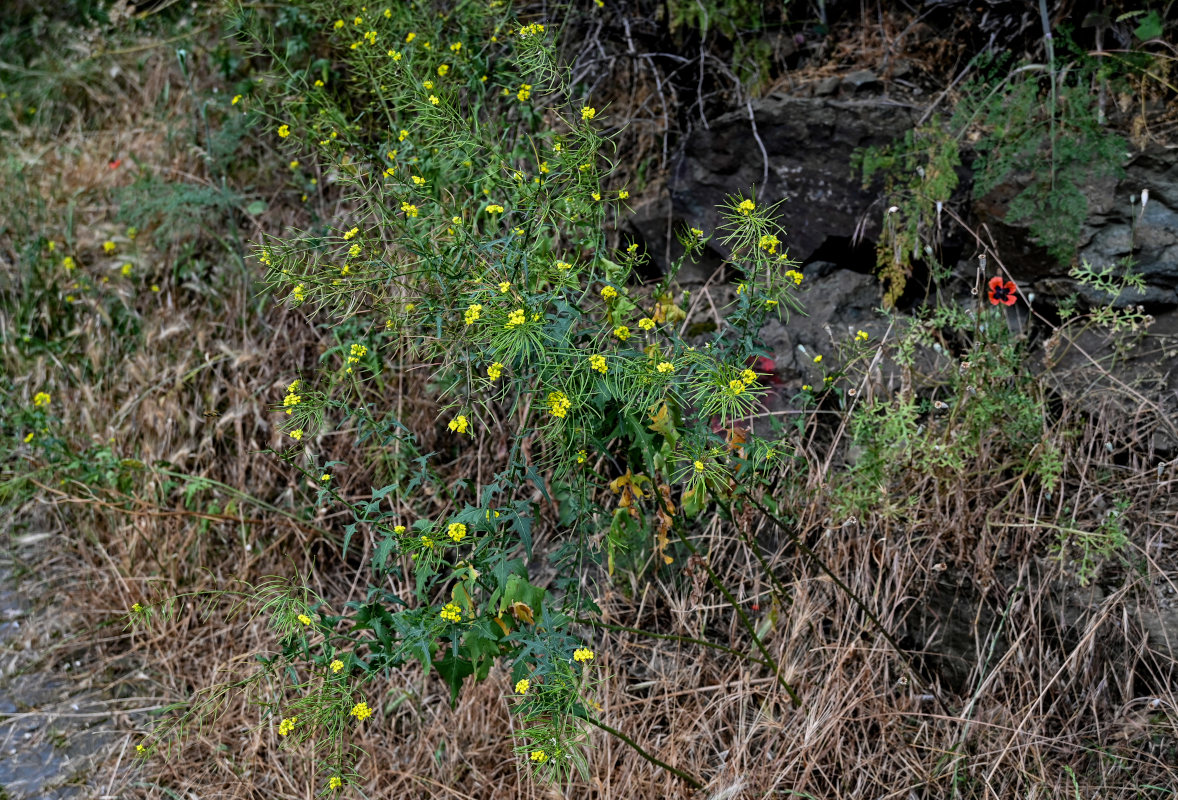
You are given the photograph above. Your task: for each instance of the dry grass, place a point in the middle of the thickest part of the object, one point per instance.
(1014, 680)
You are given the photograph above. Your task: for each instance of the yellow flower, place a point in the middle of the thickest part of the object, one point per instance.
(609, 293)
(140, 749)
(504, 286)
(30, 437)
(456, 531)
(361, 711)
(456, 47)
(418, 180)
(597, 362)
(459, 424)
(136, 608)
(336, 665)
(236, 99)
(324, 477)
(646, 323)
(494, 209)
(335, 783)
(294, 164)
(806, 387)
(748, 376)
(588, 113)
(303, 618)
(403, 135)
(443, 69)
(472, 314)
(595, 195)
(622, 332)
(818, 359)
(539, 756)
(769, 243)
(515, 319)
(559, 404)
(399, 530)
(622, 195)
(861, 336)
(665, 367)
(339, 23)
(283, 131)
(395, 55)
(583, 654)
(451, 613)
(319, 84)
(297, 434)
(108, 247)
(699, 466)
(427, 84)
(543, 167)
(563, 266)
(746, 207)
(433, 99)
(351, 234)
(41, 399)
(736, 386)
(286, 726)
(582, 456)
(68, 263)
(409, 37)
(409, 209)
(794, 276)
(299, 294)
(525, 92)
(521, 686)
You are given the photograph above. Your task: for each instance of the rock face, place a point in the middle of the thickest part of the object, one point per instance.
(1118, 226)
(809, 142)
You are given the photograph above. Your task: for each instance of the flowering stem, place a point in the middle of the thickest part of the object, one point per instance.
(797, 540)
(694, 782)
(675, 638)
(744, 618)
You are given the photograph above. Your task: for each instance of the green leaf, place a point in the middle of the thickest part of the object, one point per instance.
(454, 669)
(256, 207)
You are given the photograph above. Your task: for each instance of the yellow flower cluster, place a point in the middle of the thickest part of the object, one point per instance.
(646, 323)
(525, 92)
(559, 404)
(451, 613)
(41, 399)
(300, 293)
(609, 293)
(357, 352)
(456, 531)
(504, 287)
(515, 319)
(418, 180)
(335, 783)
(459, 424)
(361, 711)
(303, 618)
(622, 332)
(109, 247)
(769, 243)
(409, 209)
(336, 665)
(563, 266)
(472, 313)
(665, 367)
(746, 207)
(286, 726)
(535, 29)
(443, 70)
(521, 686)
(738, 385)
(861, 336)
(697, 233)
(588, 113)
(291, 400)
(427, 542)
(297, 434)
(283, 131)
(494, 371)
(494, 209)
(351, 234)
(794, 276)
(597, 362)
(583, 654)
(582, 456)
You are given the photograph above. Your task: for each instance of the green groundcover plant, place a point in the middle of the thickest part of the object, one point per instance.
(476, 193)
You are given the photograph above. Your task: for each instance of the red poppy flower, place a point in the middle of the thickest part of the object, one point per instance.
(1002, 291)
(116, 163)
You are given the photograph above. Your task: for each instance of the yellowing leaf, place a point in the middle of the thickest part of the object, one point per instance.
(523, 612)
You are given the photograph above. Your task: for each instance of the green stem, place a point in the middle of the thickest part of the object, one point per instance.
(694, 782)
(674, 638)
(744, 618)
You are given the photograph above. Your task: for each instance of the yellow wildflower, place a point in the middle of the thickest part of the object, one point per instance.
(521, 686)
(494, 371)
(361, 711)
(583, 654)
